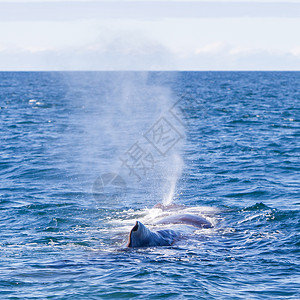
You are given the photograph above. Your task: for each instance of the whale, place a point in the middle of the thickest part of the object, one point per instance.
(141, 236)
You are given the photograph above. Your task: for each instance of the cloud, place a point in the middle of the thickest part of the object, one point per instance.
(243, 51)
(295, 51)
(132, 50)
(222, 56)
(119, 55)
(124, 52)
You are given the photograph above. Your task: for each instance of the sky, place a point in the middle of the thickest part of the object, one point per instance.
(149, 35)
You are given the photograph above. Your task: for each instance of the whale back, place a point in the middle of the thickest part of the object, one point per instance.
(141, 236)
(187, 219)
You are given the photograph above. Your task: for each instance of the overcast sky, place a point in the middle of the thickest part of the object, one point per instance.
(149, 35)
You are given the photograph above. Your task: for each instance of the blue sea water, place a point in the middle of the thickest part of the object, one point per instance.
(85, 154)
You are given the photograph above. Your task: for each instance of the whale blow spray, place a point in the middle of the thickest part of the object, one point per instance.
(174, 172)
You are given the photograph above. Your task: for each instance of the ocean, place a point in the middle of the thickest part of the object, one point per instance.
(83, 155)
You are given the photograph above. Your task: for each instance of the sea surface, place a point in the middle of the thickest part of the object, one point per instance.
(83, 155)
